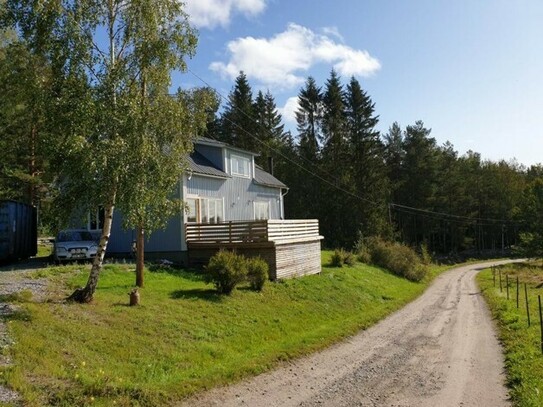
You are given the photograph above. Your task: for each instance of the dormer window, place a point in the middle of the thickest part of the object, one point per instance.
(241, 166)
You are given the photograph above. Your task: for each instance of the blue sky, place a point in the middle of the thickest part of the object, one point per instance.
(472, 70)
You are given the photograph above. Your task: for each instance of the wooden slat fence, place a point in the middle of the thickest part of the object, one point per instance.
(278, 231)
(228, 232)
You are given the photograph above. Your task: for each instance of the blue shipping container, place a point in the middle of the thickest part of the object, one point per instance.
(18, 231)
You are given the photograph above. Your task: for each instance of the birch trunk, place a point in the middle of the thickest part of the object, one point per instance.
(86, 294)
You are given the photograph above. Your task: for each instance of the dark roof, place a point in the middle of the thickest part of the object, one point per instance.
(198, 164)
(265, 178)
(211, 142)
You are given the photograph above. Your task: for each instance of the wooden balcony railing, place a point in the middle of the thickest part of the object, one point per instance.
(272, 230)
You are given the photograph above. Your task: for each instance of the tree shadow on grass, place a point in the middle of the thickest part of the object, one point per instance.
(189, 274)
(207, 294)
(121, 304)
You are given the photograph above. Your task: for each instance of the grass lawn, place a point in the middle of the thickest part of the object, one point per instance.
(522, 344)
(183, 338)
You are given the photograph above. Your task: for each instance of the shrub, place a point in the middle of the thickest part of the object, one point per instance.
(257, 273)
(425, 255)
(397, 258)
(364, 248)
(225, 270)
(349, 258)
(363, 255)
(341, 257)
(337, 259)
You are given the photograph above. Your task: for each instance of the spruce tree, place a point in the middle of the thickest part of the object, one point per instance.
(269, 129)
(394, 156)
(366, 157)
(308, 119)
(334, 125)
(238, 119)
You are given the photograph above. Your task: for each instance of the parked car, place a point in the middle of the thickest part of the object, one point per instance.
(75, 244)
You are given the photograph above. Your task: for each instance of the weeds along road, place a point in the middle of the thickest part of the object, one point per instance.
(440, 350)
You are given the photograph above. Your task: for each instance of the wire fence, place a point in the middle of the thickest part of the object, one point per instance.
(529, 297)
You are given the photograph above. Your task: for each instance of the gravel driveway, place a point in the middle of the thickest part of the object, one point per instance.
(440, 350)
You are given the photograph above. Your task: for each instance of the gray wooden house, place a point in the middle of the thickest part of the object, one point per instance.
(233, 204)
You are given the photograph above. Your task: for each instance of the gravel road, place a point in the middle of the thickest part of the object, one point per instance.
(440, 350)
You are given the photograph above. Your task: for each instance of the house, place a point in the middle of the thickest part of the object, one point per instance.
(232, 203)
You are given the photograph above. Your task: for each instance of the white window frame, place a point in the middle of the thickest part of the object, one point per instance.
(200, 202)
(197, 206)
(234, 168)
(256, 203)
(94, 216)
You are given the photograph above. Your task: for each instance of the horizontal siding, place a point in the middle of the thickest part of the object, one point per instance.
(298, 259)
(284, 260)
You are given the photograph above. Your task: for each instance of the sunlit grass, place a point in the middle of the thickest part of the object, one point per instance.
(183, 337)
(522, 344)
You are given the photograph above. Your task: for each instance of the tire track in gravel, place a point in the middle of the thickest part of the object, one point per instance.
(439, 350)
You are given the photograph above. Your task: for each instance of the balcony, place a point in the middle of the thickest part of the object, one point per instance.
(290, 247)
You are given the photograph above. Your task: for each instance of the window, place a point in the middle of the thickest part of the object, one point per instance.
(193, 214)
(241, 166)
(262, 210)
(204, 210)
(95, 220)
(211, 210)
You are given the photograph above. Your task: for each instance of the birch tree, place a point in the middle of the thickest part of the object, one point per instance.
(125, 146)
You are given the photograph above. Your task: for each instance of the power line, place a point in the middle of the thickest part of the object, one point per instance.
(468, 218)
(244, 113)
(334, 185)
(437, 216)
(281, 153)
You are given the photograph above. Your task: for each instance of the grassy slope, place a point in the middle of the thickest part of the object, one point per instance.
(524, 361)
(184, 337)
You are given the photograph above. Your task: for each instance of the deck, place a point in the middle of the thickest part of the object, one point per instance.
(290, 247)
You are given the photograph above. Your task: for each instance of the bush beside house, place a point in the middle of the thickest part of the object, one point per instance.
(227, 269)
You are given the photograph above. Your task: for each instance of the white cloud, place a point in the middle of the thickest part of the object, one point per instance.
(333, 31)
(289, 110)
(212, 13)
(279, 61)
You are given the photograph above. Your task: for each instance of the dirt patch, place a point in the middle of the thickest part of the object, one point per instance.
(439, 350)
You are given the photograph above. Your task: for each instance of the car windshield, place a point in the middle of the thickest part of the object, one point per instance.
(74, 236)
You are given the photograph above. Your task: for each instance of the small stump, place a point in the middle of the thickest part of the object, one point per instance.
(134, 297)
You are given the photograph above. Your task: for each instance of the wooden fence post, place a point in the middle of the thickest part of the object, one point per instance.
(500, 271)
(540, 321)
(494, 275)
(527, 305)
(507, 285)
(517, 292)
